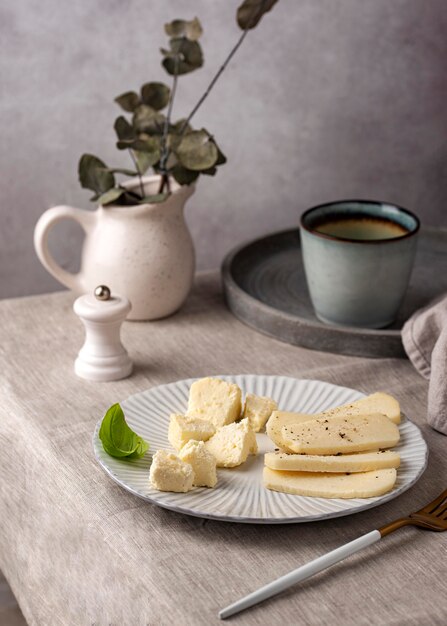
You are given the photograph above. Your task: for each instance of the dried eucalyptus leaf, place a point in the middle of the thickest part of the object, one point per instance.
(178, 127)
(148, 144)
(93, 174)
(109, 197)
(129, 199)
(128, 101)
(197, 151)
(123, 129)
(184, 56)
(172, 160)
(155, 95)
(124, 144)
(155, 199)
(173, 141)
(221, 158)
(192, 29)
(145, 160)
(121, 170)
(148, 120)
(250, 12)
(184, 176)
(210, 171)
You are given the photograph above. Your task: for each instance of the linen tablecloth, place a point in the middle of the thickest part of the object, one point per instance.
(79, 550)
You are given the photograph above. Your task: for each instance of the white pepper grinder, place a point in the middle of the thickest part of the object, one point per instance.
(102, 357)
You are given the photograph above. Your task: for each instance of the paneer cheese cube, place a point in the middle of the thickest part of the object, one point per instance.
(169, 473)
(182, 429)
(232, 444)
(258, 409)
(202, 462)
(215, 400)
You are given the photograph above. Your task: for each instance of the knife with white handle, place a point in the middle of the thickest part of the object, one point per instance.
(303, 572)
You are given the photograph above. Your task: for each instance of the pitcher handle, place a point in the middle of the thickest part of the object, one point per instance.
(84, 218)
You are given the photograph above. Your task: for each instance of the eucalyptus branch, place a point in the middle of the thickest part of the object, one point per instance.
(138, 172)
(164, 139)
(165, 151)
(195, 152)
(219, 72)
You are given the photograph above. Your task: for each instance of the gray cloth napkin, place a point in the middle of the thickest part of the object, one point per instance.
(424, 337)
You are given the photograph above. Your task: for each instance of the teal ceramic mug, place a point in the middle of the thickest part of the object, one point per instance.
(358, 256)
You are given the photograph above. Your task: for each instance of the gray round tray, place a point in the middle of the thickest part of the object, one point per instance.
(265, 287)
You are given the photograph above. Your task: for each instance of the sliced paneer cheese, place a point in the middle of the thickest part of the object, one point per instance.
(215, 400)
(182, 429)
(232, 444)
(277, 420)
(202, 462)
(169, 473)
(258, 409)
(341, 435)
(376, 403)
(359, 462)
(324, 485)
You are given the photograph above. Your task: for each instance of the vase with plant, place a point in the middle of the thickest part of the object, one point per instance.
(137, 241)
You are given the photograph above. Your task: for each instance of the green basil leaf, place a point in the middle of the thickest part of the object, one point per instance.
(114, 452)
(141, 449)
(117, 438)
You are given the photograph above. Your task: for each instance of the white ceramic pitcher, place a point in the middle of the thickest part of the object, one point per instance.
(144, 252)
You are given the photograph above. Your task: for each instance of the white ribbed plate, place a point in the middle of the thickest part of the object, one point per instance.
(239, 495)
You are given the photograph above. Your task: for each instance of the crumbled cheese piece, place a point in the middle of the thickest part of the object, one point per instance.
(258, 409)
(215, 400)
(202, 462)
(182, 429)
(232, 444)
(169, 473)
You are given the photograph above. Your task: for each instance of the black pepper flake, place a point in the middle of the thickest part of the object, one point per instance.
(327, 427)
(342, 435)
(348, 473)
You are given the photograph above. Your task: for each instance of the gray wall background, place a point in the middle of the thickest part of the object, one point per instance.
(324, 100)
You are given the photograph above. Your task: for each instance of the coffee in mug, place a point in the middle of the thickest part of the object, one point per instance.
(358, 256)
